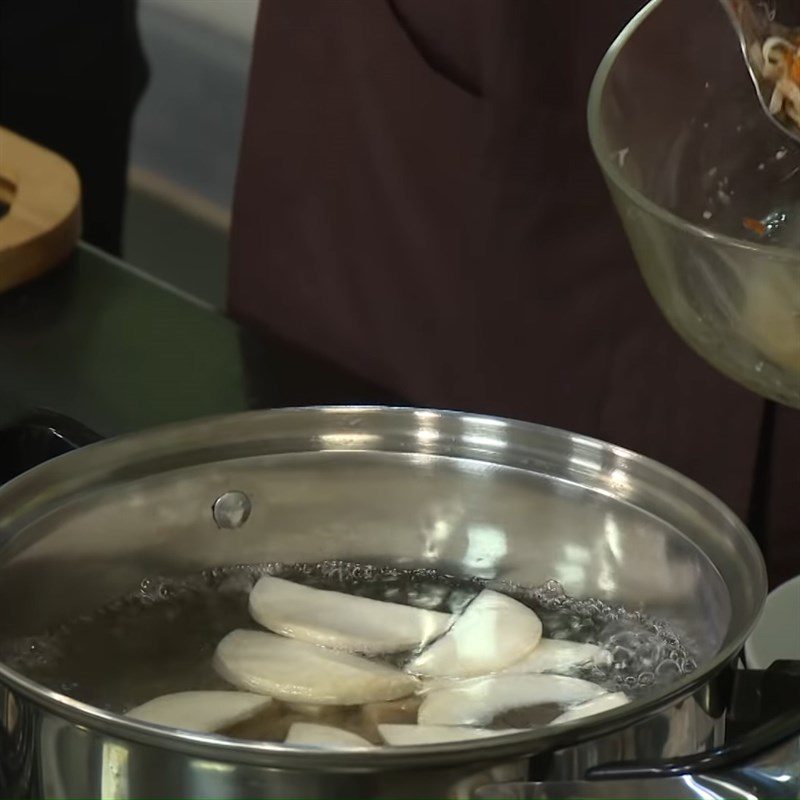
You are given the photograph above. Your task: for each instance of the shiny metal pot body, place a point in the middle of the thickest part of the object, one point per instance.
(469, 495)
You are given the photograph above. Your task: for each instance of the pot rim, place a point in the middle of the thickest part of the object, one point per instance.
(267, 754)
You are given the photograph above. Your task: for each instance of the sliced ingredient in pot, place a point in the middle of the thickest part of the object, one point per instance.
(480, 700)
(162, 640)
(597, 705)
(291, 670)
(309, 733)
(315, 711)
(558, 656)
(493, 632)
(394, 711)
(343, 621)
(204, 712)
(431, 734)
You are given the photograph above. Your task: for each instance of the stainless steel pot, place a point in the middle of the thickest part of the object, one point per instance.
(470, 495)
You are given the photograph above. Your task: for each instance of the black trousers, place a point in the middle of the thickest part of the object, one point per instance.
(71, 74)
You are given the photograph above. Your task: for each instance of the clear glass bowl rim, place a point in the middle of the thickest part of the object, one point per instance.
(615, 175)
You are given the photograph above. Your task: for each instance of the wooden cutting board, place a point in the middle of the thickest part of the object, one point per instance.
(42, 225)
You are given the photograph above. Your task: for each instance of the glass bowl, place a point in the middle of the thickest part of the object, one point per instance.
(707, 188)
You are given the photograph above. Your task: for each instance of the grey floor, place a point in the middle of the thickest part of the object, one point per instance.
(186, 136)
(189, 123)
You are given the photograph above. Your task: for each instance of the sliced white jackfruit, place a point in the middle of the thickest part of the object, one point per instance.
(597, 705)
(558, 656)
(493, 632)
(295, 671)
(203, 712)
(310, 733)
(403, 711)
(399, 735)
(477, 702)
(343, 621)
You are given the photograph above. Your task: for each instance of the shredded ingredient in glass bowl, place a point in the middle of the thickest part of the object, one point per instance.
(779, 61)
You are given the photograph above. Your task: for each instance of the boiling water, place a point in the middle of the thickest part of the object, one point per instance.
(162, 638)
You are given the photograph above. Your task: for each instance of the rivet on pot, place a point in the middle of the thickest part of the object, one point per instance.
(231, 510)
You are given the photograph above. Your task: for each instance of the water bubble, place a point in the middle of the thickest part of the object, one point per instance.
(667, 670)
(553, 588)
(621, 657)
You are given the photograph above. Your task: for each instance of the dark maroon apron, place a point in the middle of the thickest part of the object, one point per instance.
(417, 201)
